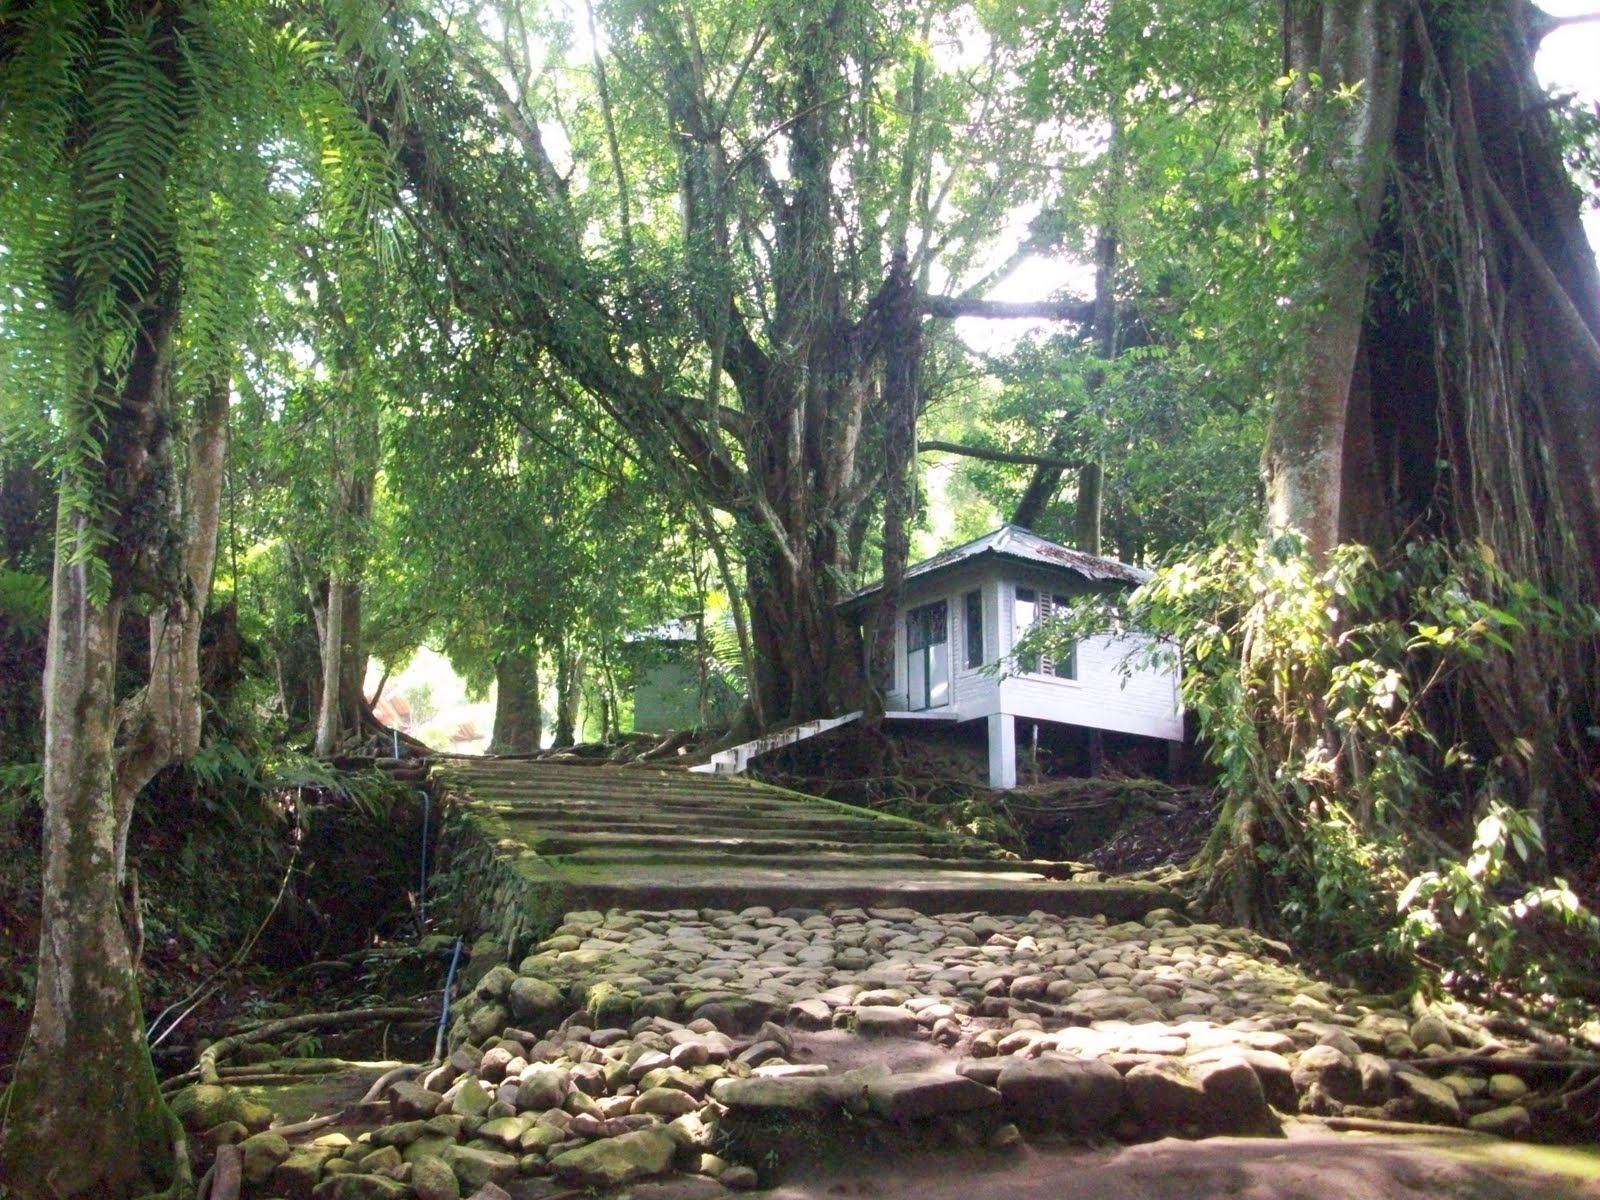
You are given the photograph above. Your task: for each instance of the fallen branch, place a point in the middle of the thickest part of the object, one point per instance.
(669, 745)
(409, 1071)
(376, 956)
(311, 1125)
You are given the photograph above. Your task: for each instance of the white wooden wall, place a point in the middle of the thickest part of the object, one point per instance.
(1144, 701)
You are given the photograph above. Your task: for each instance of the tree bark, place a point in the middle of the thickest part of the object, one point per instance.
(517, 722)
(1482, 389)
(569, 694)
(901, 392)
(1332, 45)
(161, 723)
(342, 710)
(329, 726)
(62, 1139)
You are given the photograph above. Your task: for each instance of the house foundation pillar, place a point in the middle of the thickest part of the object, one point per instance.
(1002, 751)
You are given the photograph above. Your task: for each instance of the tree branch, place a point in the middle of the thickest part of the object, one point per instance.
(1582, 336)
(573, 331)
(525, 131)
(1049, 461)
(1080, 312)
(1543, 24)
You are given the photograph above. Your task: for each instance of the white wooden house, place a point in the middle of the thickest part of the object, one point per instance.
(961, 615)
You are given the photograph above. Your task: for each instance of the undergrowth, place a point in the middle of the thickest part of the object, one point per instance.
(238, 847)
(1367, 813)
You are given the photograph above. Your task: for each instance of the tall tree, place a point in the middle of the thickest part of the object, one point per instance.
(1448, 347)
(102, 106)
(761, 169)
(526, 526)
(132, 139)
(1168, 196)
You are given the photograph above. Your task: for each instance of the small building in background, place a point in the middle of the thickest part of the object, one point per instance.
(960, 618)
(666, 669)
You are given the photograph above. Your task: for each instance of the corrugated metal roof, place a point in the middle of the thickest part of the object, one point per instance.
(1023, 545)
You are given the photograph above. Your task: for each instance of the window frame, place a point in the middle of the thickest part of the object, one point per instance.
(923, 634)
(1044, 603)
(972, 603)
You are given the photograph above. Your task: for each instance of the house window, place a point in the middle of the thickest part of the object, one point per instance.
(974, 614)
(1024, 616)
(1027, 610)
(928, 656)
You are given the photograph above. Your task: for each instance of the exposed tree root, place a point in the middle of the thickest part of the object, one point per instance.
(409, 1071)
(228, 1174)
(1582, 1102)
(208, 1069)
(182, 1186)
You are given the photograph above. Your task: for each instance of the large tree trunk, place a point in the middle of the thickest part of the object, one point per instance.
(807, 663)
(330, 727)
(517, 722)
(1337, 44)
(901, 393)
(342, 710)
(569, 694)
(1450, 363)
(63, 1139)
(1478, 396)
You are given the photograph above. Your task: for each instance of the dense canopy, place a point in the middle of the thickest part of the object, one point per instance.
(513, 329)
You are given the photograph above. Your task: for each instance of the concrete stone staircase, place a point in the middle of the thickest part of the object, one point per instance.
(564, 837)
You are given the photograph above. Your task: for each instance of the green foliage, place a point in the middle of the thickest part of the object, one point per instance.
(1319, 691)
(138, 144)
(1178, 442)
(1187, 163)
(24, 602)
(1578, 129)
(420, 697)
(1508, 925)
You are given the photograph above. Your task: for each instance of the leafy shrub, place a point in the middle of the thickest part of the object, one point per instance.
(1329, 699)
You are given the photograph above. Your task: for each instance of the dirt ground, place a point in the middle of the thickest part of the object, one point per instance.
(1312, 1163)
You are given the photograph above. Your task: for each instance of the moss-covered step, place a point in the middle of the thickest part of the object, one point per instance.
(528, 841)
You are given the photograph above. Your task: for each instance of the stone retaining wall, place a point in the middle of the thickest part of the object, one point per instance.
(497, 908)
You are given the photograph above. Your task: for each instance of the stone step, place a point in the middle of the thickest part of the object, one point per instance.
(861, 859)
(589, 816)
(623, 793)
(831, 831)
(565, 838)
(929, 891)
(556, 843)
